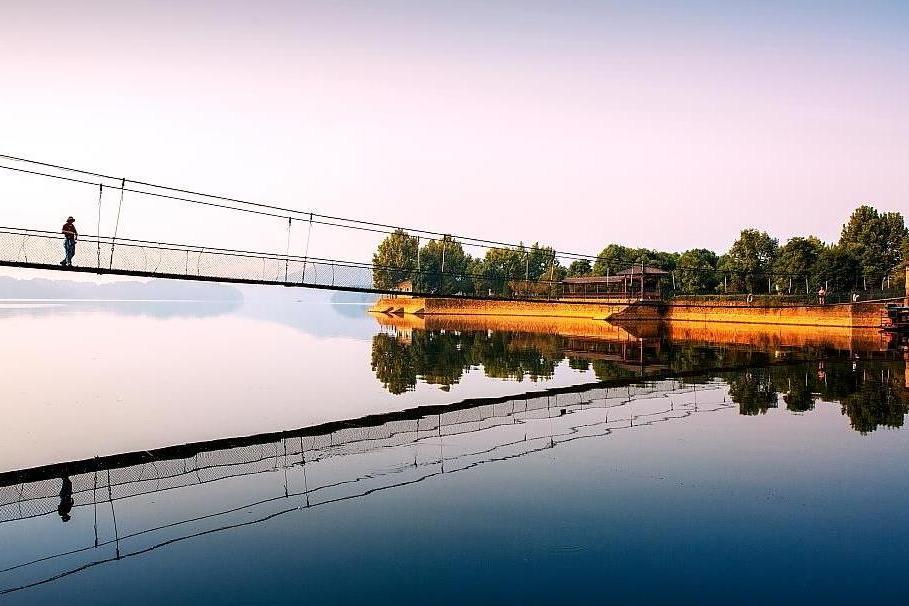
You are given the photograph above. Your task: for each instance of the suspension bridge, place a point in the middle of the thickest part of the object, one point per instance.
(115, 254)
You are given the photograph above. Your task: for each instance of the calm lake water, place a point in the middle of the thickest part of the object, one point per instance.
(285, 449)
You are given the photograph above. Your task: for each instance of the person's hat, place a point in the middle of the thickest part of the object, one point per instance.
(70, 219)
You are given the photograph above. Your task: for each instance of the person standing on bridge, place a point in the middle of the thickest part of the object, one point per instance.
(69, 243)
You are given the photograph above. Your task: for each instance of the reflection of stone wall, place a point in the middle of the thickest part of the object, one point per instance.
(766, 337)
(781, 335)
(573, 327)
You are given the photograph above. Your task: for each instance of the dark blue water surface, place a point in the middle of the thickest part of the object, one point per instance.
(772, 475)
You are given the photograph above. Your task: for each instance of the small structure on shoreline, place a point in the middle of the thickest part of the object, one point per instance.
(636, 282)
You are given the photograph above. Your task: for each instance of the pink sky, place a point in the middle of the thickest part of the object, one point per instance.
(664, 126)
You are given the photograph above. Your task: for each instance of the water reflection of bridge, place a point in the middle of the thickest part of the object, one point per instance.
(134, 503)
(275, 474)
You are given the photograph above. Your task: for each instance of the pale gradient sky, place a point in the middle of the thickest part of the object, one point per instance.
(660, 124)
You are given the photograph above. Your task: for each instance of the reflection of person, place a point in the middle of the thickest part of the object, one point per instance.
(69, 241)
(66, 499)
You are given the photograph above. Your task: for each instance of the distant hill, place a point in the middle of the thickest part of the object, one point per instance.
(169, 290)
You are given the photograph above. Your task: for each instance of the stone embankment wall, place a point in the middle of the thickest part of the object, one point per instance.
(468, 307)
(855, 315)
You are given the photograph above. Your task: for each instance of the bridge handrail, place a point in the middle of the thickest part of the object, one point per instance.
(194, 248)
(157, 245)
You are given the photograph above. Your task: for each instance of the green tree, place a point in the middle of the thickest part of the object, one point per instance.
(697, 271)
(580, 267)
(505, 271)
(541, 262)
(445, 268)
(838, 268)
(876, 239)
(749, 261)
(395, 260)
(797, 258)
(662, 259)
(499, 267)
(615, 258)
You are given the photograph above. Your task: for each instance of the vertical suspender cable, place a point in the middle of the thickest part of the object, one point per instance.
(98, 229)
(306, 249)
(442, 268)
(95, 500)
(113, 513)
(287, 249)
(116, 223)
(552, 265)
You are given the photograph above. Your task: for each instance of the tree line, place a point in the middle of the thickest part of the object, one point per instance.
(443, 266)
(871, 251)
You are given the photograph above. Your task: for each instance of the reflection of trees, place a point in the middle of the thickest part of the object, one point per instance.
(441, 358)
(392, 363)
(436, 358)
(578, 363)
(881, 399)
(799, 398)
(872, 393)
(509, 355)
(753, 391)
(606, 370)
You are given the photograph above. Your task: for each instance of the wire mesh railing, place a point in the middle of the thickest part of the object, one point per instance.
(35, 248)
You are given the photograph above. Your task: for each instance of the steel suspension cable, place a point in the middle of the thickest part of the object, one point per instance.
(268, 207)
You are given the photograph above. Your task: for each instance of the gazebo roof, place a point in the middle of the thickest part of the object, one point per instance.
(593, 280)
(618, 276)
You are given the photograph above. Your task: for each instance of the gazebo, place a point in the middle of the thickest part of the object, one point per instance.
(636, 282)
